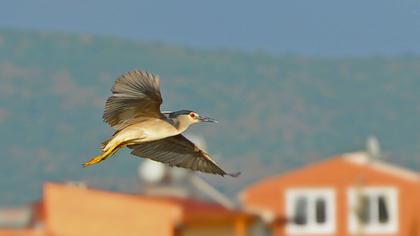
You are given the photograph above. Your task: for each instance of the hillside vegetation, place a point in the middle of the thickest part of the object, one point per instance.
(275, 113)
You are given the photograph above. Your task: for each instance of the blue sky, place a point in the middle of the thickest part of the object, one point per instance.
(322, 27)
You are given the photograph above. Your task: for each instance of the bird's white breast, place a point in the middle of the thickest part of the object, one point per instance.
(153, 129)
(145, 131)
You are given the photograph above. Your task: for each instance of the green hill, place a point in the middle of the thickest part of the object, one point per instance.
(276, 113)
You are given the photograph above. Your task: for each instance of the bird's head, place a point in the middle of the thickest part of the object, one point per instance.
(191, 117)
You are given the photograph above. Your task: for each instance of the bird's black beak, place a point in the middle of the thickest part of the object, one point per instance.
(207, 119)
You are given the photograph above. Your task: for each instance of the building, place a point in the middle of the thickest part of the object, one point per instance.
(76, 210)
(350, 194)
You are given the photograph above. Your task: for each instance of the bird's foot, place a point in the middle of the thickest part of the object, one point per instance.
(94, 160)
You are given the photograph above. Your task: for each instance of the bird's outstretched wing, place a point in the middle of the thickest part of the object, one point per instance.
(181, 152)
(135, 95)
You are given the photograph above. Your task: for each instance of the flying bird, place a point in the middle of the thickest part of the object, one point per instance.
(133, 111)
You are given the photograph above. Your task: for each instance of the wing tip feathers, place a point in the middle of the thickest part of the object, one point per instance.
(236, 174)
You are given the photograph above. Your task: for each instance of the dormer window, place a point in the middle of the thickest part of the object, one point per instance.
(310, 210)
(373, 210)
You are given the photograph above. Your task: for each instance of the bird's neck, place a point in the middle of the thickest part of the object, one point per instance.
(181, 124)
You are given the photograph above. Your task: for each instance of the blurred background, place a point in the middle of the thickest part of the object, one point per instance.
(291, 82)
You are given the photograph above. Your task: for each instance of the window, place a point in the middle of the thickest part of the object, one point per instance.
(310, 210)
(320, 208)
(373, 210)
(301, 211)
(383, 210)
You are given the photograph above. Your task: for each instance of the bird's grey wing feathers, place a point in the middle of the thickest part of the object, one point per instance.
(135, 94)
(181, 152)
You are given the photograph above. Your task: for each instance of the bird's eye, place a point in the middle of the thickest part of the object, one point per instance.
(192, 115)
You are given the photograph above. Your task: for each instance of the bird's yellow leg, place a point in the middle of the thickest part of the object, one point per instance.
(111, 151)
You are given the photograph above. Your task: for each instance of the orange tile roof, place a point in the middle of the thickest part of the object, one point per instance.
(194, 210)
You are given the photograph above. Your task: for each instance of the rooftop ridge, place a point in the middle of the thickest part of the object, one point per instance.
(362, 158)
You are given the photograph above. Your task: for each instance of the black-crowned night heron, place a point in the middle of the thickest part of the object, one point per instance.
(134, 111)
